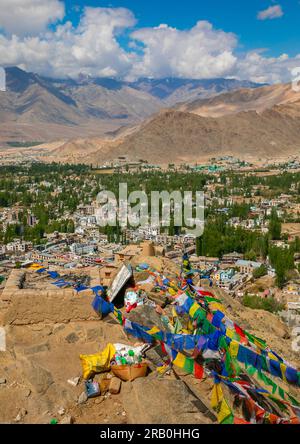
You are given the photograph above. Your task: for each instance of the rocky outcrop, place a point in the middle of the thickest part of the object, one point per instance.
(161, 401)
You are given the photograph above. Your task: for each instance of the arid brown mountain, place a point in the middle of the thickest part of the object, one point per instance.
(35, 108)
(258, 99)
(176, 136)
(253, 124)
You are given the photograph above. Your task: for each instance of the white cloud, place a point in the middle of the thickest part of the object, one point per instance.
(200, 52)
(273, 12)
(24, 17)
(254, 66)
(92, 47)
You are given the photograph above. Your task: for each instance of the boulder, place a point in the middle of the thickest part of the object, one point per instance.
(147, 316)
(40, 378)
(160, 401)
(115, 386)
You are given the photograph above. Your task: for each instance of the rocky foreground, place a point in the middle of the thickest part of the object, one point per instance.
(41, 374)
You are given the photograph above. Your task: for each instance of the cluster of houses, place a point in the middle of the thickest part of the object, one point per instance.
(230, 273)
(17, 246)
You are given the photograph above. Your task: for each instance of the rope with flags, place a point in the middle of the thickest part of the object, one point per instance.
(212, 336)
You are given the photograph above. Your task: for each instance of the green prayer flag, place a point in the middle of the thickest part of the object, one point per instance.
(189, 365)
(228, 420)
(281, 392)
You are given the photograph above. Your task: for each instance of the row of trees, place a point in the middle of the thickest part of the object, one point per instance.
(35, 234)
(278, 183)
(282, 259)
(219, 238)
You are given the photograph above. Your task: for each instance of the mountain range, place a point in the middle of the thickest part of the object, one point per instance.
(36, 108)
(157, 120)
(252, 124)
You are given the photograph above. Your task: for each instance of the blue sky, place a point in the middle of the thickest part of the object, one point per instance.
(256, 40)
(277, 36)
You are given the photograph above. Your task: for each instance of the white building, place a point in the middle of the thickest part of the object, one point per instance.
(18, 246)
(78, 248)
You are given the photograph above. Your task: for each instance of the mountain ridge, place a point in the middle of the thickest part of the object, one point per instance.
(111, 119)
(32, 104)
(258, 99)
(183, 137)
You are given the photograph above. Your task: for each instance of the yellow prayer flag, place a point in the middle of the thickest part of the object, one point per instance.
(230, 333)
(179, 360)
(35, 267)
(97, 363)
(258, 344)
(224, 411)
(234, 348)
(283, 370)
(153, 330)
(216, 396)
(214, 306)
(193, 309)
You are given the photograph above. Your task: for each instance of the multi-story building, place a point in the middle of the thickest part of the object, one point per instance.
(78, 248)
(18, 246)
(247, 267)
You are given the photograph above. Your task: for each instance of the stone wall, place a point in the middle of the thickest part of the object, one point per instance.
(32, 306)
(13, 284)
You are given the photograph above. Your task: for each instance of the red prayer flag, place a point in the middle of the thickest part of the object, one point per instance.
(198, 371)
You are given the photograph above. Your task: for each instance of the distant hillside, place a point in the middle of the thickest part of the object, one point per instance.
(258, 99)
(173, 91)
(101, 119)
(183, 137)
(45, 109)
(175, 136)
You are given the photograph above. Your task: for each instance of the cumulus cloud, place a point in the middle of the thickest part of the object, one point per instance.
(254, 66)
(273, 12)
(24, 17)
(200, 52)
(92, 47)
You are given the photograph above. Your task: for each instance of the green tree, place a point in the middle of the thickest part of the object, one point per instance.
(250, 255)
(282, 259)
(260, 271)
(275, 226)
(199, 246)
